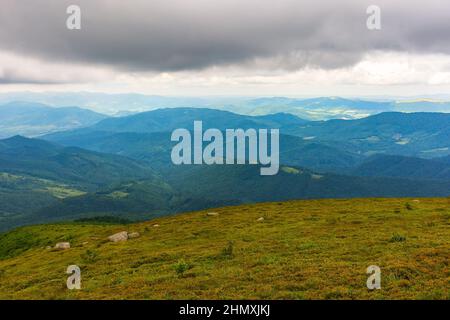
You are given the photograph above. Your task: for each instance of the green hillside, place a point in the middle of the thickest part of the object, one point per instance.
(36, 174)
(42, 182)
(300, 250)
(410, 134)
(87, 169)
(155, 148)
(21, 195)
(404, 167)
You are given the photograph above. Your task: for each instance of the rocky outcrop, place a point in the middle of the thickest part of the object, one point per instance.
(121, 236)
(62, 245)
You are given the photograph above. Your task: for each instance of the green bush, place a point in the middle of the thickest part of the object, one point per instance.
(181, 267)
(397, 238)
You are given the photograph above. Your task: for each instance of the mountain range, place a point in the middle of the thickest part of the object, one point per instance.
(121, 166)
(331, 145)
(318, 108)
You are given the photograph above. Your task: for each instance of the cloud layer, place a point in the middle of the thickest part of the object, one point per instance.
(227, 47)
(173, 35)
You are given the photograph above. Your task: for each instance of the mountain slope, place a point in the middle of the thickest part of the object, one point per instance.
(19, 155)
(318, 249)
(155, 149)
(424, 135)
(404, 167)
(243, 183)
(167, 120)
(34, 119)
(95, 184)
(410, 134)
(36, 174)
(323, 108)
(383, 125)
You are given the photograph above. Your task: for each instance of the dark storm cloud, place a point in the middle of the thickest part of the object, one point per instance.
(171, 35)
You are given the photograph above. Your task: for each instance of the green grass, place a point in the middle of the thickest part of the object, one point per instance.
(316, 249)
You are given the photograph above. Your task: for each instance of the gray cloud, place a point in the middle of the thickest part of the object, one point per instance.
(19, 80)
(172, 35)
(13, 76)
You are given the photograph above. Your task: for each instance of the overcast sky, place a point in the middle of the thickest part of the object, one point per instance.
(227, 47)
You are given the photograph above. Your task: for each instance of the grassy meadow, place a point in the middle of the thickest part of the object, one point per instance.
(311, 249)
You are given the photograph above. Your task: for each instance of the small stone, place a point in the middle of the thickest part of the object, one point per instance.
(121, 236)
(212, 214)
(156, 225)
(62, 245)
(260, 219)
(133, 235)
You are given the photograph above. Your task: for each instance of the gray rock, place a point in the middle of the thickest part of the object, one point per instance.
(62, 245)
(121, 236)
(212, 214)
(133, 235)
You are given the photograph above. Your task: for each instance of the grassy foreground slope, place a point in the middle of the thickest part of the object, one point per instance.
(301, 250)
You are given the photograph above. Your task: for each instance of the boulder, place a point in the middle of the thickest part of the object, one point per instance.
(62, 245)
(133, 235)
(121, 236)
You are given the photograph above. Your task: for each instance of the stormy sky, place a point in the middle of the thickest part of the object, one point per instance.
(201, 47)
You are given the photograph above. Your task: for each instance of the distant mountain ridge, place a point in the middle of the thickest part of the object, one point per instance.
(165, 120)
(35, 119)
